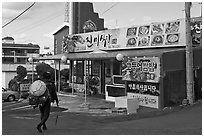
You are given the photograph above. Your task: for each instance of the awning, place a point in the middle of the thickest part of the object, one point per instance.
(113, 54)
(52, 57)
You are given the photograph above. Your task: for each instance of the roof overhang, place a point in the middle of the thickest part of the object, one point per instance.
(65, 24)
(53, 57)
(113, 54)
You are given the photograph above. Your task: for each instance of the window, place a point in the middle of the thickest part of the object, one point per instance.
(55, 46)
(108, 69)
(116, 68)
(79, 72)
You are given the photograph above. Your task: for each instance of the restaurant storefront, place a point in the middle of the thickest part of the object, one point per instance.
(142, 62)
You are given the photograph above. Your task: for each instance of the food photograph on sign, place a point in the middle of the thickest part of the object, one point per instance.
(141, 69)
(157, 40)
(132, 42)
(157, 29)
(143, 30)
(172, 39)
(131, 31)
(70, 43)
(144, 41)
(172, 27)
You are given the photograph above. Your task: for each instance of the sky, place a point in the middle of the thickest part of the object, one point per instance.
(38, 23)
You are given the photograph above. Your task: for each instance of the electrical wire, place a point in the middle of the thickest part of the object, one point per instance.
(53, 17)
(110, 8)
(19, 15)
(37, 24)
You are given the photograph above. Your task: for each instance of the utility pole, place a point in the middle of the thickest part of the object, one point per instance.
(201, 25)
(189, 56)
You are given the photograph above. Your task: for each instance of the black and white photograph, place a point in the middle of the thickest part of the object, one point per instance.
(101, 68)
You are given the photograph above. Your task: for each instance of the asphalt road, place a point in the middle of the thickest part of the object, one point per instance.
(20, 120)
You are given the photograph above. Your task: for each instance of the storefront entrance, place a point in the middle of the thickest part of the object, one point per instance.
(98, 74)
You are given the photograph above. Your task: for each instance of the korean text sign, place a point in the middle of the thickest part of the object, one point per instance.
(141, 69)
(164, 34)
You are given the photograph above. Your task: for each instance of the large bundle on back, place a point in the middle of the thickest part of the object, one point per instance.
(38, 93)
(38, 88)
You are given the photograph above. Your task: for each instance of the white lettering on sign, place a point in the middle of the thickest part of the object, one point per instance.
(146, 100)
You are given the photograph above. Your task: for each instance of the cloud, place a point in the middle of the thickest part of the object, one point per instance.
(15, 5)
(12, 9)
(147, 18)
(20, 38)
(132, 20)
(8, 14)
(51, 4)
(48, 35)
(23, 39)
(111, 23)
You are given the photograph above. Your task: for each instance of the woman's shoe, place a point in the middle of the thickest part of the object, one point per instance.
(39, 129)
(44, 127)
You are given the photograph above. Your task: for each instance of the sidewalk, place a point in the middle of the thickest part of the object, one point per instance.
(92, 105)
(95, 106)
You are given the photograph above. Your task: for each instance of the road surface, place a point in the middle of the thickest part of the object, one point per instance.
(17, 119)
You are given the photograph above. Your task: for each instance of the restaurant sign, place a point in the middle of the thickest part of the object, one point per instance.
(146, 100)
(163, 34)
(196, 32)
(143, 88)
(141, 69)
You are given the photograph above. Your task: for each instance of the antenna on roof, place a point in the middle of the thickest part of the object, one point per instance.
(66, 15)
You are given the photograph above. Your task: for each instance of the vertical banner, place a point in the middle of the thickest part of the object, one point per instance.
(142, 75)
(196, 32)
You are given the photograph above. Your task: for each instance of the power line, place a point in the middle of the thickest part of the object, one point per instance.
(37, 24)
(110, 8)
(19, 15)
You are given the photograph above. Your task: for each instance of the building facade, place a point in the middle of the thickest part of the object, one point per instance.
(146, 62)
(84, 19)
(58, 37)
(14, 55)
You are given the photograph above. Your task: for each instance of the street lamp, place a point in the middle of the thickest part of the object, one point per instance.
(119, 57)
(63, 59)
(30, 59)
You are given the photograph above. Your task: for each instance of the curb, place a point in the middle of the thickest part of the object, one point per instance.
(124, 116)
(119, 118)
